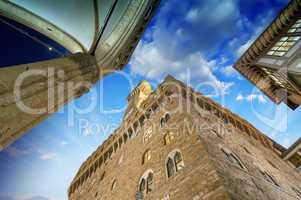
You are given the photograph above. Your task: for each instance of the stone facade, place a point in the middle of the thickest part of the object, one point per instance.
(176, 144)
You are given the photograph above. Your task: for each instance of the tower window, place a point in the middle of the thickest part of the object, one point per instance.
(141, 120)
(148, 113)
(120, 141)
(170, 168)
(115, 146)
(168, 138)
(147, 183)
(146, 157)
(136, 126)
(142, 186)
(154, 107)
(130, 132)
(165, 119)
(150, 183)
(179, 161)
(162, 122)
(174, 163)
(125, 137)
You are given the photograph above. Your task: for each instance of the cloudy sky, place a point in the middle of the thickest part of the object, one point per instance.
(197, 42)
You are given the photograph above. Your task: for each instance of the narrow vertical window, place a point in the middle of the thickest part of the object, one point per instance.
(170, 168)
(167, 117)
(168, 138)
(130, 132)
(148, 113)
(150, 183)
(125, 137)
(162, 122)
(142, 186)
(179, 161)
(146, 156)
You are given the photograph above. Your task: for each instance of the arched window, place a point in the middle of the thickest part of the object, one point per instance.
(162, 122)
(141, 120)
(150, 183)
(170, 168)
(115, 146)
(130, 132)
(148, 113)
(147, 182)
(179, 161)
(142, 186)
(146, 156)
(233, 158)
(120, 141)
(168, 138)
(167, 117)
(125, 137)
(174, 163)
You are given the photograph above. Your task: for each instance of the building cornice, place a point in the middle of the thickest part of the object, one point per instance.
(253, 72)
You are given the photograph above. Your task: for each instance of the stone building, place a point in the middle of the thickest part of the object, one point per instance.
(273, 61)
(176, 144)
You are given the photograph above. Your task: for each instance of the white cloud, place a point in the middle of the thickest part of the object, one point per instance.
(150, 62)
(251, 98)
(175, 45)
(243, 48)
(48, 156)
(239, 97)
(229, 71)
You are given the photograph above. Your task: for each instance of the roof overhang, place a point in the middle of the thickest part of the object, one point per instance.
(28, 18)
(275, 84)
(293, 154)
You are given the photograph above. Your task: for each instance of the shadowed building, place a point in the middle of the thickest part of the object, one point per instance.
(174, 144)
(29, 93)
(273, 62)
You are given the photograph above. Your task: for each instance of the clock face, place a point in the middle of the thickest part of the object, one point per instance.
(147, 134)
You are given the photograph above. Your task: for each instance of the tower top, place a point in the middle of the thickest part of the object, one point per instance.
(140, 93)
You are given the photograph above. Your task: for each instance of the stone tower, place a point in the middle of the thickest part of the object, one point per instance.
(179, 145)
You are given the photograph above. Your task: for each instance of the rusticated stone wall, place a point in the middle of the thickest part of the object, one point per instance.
(224, 157)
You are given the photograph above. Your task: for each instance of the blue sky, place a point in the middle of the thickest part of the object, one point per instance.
(197, 42)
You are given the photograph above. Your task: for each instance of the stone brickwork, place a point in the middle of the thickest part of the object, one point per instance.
(221, 155)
